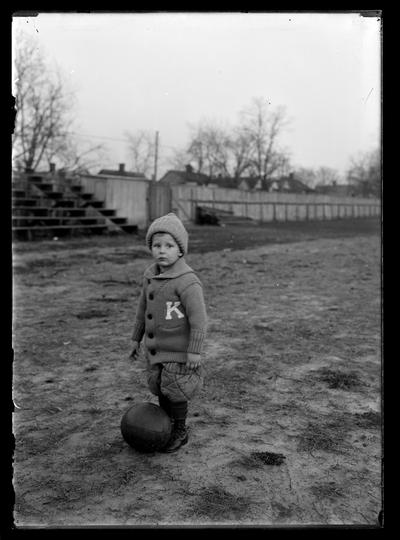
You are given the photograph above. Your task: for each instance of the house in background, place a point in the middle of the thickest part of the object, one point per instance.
(250, 183)
(122, 172)
(340, 190)
(187, 177)
(244, 183)
(285, 184)
(225, 182)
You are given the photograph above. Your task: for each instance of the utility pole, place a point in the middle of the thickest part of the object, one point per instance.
(155, 158)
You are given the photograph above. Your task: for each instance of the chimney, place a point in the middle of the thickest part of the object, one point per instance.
(52, 167)
(189, 168)
(122, 168)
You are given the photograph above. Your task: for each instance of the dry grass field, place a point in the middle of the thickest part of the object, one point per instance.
(287, 429)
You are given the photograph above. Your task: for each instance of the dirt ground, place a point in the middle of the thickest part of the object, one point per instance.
(287, 429)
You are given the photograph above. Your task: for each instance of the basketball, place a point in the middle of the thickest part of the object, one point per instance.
(146, 427)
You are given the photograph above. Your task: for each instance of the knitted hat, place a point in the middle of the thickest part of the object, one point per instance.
(170, 223)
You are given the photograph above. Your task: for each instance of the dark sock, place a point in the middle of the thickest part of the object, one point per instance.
(164, 403)
(179, 413)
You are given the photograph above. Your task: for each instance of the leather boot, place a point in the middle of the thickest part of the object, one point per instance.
(179, 437)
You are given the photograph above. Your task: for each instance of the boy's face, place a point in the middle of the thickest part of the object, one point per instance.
(165, 250)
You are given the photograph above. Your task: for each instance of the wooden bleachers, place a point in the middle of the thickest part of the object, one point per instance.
(48, 206)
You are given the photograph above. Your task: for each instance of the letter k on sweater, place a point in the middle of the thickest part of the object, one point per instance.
(171, 313)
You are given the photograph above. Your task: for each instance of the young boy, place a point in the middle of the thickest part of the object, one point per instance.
(172, 318)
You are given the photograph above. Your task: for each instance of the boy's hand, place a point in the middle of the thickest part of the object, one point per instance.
(135, 351)
(193, 361)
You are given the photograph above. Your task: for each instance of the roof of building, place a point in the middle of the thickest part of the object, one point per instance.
(288, 184)
(225, 182)
(119, 172)
(284, 183)
(189, 176)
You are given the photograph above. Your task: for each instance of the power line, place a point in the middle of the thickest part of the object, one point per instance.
(90, 136)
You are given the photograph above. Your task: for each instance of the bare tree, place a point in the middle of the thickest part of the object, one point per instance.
(249, 147)
(307, 175)
(179, 159)
(196, 150)
(261, 129)
(43, 128)
(141, 151)
(364, 174)
(219, 145)
(241, 152)
(80, 158)
(221, 150)
(326, 176)
(209, 148)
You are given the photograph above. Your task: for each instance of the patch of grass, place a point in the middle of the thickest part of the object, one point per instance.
(339, 380)
(282, 511)
(91, 368)
(327, 490)
(94, 411)
(92, 314)
(113, 299)
(255, 460)
(217, 504)
(370, 419)
(270, 458)
(31, 266)
(327, 437)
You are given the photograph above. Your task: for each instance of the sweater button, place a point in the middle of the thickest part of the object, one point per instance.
(152, 352)
(151, 335)
(151, 296)
(149, 316)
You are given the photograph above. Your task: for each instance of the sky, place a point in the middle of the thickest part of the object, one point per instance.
(165, 71)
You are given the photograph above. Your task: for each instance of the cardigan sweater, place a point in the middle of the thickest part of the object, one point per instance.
(171, 313)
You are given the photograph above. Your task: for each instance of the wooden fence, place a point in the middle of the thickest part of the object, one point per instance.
(265, 206)
(141, 201)
(127, 196)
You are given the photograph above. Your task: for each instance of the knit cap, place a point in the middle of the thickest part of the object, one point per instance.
(170, 223)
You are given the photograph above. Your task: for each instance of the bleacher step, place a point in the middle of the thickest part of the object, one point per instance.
(47, 205)
(56, 220)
